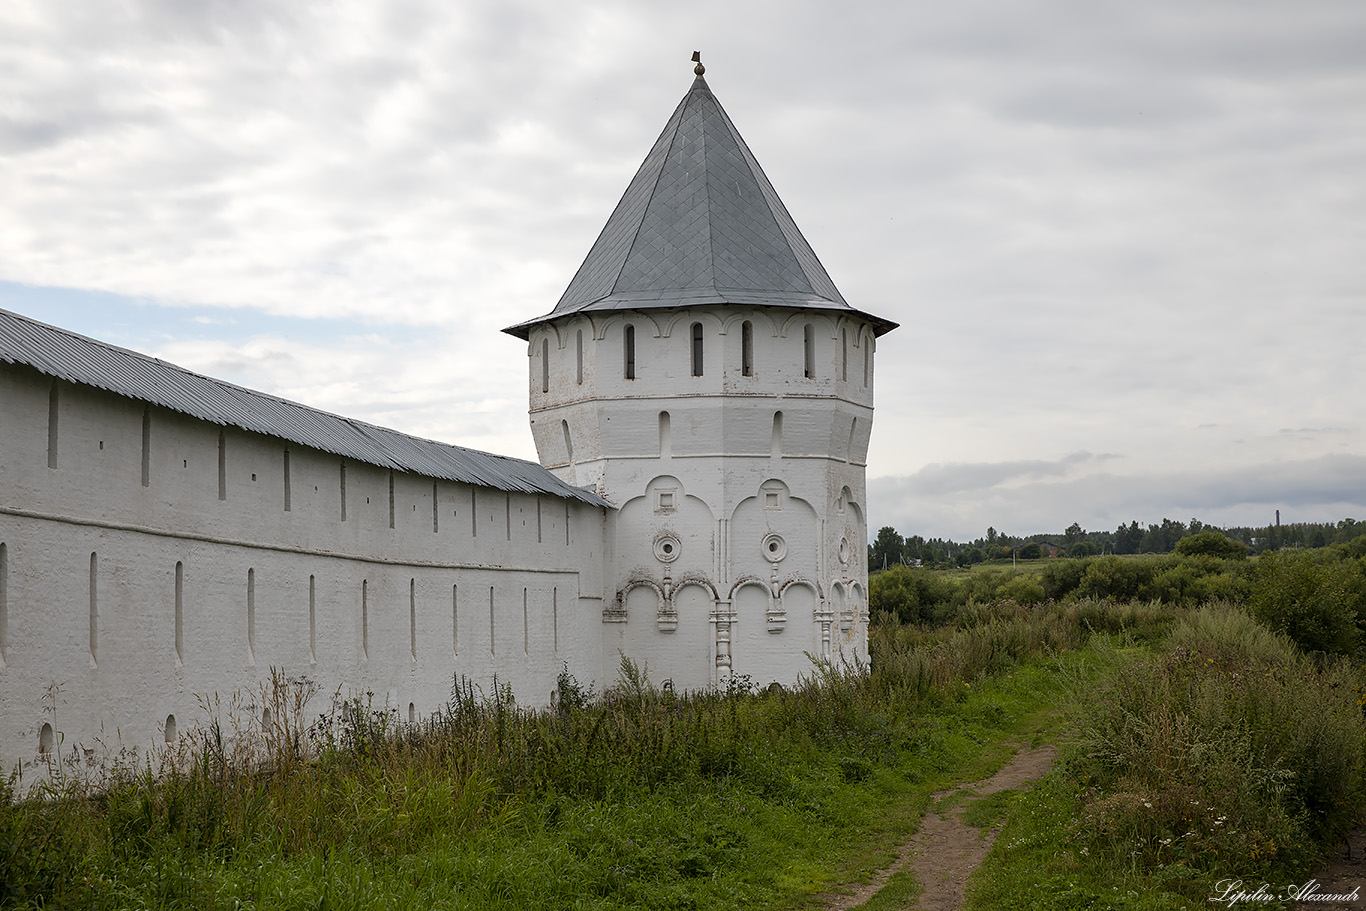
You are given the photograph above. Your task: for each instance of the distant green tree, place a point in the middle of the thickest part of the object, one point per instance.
(991, 535)
(1031, 551)
(1171, 532)
(1128, 538)
(1151, 542)
(1073, 534)
(887, 548)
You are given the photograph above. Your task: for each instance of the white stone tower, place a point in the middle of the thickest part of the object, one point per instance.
(704, 375)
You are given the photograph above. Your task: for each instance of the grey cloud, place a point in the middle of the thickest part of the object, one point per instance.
(1132, 100)
(1097, 284)
(1320, 489)
(941, 479)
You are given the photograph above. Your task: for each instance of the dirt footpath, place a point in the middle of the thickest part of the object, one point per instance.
(946, 849)
(1344, 876)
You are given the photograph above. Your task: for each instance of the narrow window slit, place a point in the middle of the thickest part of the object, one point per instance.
(94, 609)
(52, 425)
(179, 618)
(251, 617)
(147, 446)
(545, 365)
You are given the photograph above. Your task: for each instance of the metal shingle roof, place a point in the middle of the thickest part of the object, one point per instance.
(77, 359)
(700, 224)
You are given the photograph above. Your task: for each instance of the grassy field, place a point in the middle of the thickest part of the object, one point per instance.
(632, 798)
(635, 798)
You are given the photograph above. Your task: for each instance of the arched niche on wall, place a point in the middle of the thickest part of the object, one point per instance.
(759, 650)
(694, 638)
(800, 600)
(666, 526)
(774, 514)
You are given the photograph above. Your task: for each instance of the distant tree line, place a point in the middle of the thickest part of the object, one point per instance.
(889, 548)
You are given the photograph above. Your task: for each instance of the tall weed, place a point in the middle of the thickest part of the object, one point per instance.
(1227, 746)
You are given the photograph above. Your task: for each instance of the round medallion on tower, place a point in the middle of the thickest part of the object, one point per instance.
(667, 548)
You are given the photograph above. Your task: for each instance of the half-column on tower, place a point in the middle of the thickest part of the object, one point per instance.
(704, 375)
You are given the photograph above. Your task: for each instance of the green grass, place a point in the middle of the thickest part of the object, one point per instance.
(1222, 754)
(1035, 866)
(988, 812)
(633, 798)
(1024, 566)
(638, 798)
(901, 889)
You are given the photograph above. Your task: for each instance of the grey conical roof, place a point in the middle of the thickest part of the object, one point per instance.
(699, 224)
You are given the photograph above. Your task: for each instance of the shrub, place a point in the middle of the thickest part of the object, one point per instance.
(1061, 577)
(913, 594)
(1025, 588)
(1211, 543)
(1315, 603)
(1353, 549)
(1117, 579)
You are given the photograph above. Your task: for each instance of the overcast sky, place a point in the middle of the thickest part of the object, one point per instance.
(1126, 242)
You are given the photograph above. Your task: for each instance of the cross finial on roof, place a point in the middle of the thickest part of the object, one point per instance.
(697, 59)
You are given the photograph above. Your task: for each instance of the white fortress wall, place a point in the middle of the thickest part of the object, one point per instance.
(148, 559)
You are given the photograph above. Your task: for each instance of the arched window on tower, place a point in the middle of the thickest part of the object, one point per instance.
(809, 351)
(629, 352)
(696, 349)
(844, 355)
(578, 357)
(747, 348)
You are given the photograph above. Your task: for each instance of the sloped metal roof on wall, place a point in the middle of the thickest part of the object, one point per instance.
(88, 362)
(700, 224)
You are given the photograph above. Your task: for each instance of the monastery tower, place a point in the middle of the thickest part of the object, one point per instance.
(704, 375)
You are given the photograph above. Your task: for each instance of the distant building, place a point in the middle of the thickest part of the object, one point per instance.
(701, 401)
